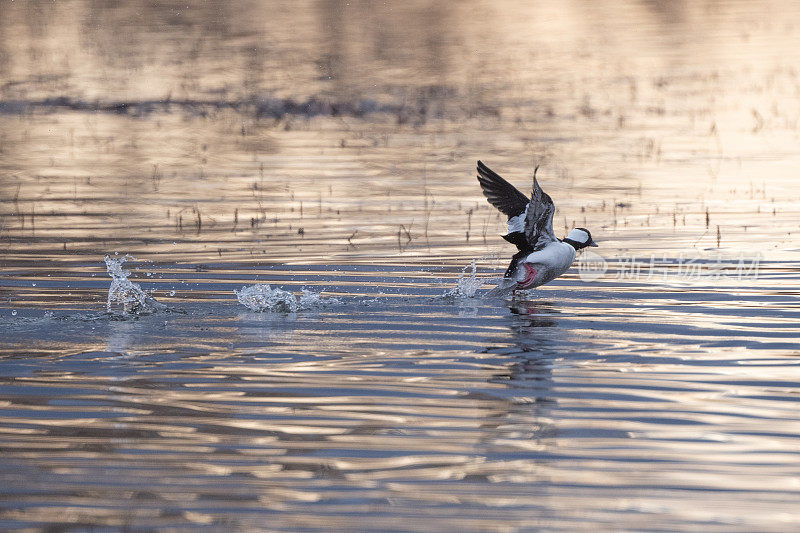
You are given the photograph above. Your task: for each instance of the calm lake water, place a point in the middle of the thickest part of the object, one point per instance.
(330, 147)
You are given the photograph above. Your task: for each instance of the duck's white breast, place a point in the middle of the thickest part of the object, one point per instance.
(553, 260)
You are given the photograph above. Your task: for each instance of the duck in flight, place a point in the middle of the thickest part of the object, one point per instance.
(541, 257)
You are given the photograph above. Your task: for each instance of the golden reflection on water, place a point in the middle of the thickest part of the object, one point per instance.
(331, 145)
(702, 119)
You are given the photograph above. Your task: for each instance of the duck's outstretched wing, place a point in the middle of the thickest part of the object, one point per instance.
(539, 220)
(501, 193)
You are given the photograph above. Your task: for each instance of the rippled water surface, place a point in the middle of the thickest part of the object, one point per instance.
(300, 338)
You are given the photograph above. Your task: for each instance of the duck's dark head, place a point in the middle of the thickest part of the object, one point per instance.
(580, 238)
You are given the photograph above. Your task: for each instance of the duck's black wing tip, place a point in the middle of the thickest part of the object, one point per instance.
(501, 193)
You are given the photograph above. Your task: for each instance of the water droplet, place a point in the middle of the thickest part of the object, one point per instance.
(33, 284)
(14, 312)
(172, 293)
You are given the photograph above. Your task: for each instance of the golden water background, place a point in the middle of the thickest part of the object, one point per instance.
(331, 146)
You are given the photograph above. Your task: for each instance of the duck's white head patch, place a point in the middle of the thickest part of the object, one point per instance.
(581, 236)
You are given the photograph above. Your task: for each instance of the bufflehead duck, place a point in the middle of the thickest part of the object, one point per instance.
(541, 257)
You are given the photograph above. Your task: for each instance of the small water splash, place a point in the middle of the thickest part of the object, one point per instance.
(129, 296)
(263, 298)
(466, 286)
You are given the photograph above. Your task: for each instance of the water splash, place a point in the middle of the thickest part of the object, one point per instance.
(466, 286)
(129, 296)
(262, 297)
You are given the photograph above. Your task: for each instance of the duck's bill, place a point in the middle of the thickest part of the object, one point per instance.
(594, 244)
